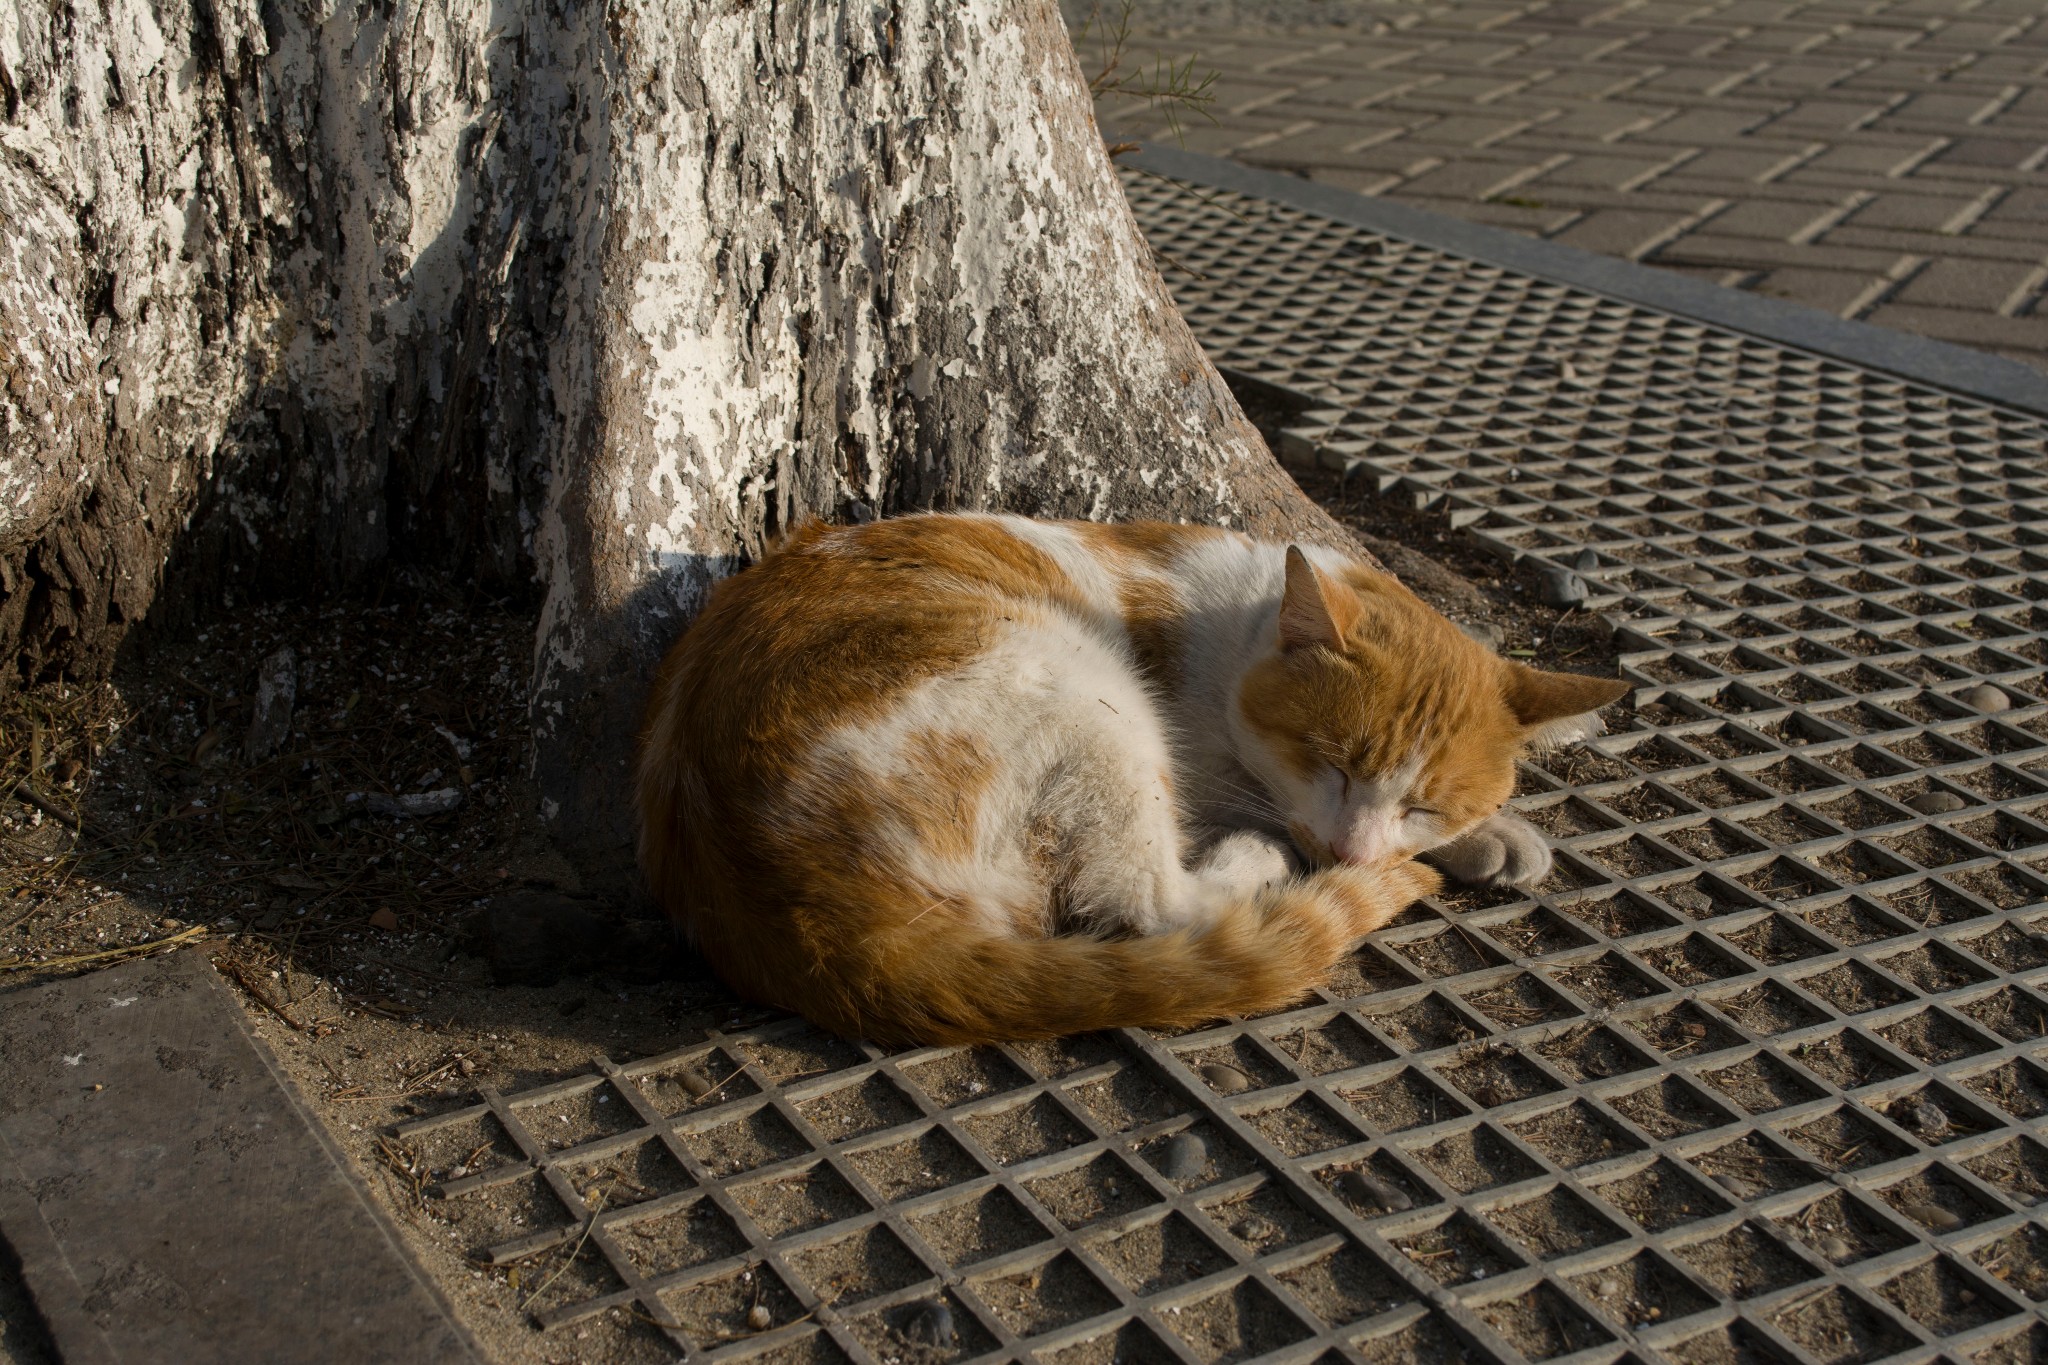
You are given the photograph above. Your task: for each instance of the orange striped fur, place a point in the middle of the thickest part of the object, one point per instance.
(954, 778)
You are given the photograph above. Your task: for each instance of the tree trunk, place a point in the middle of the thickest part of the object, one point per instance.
(599, 298)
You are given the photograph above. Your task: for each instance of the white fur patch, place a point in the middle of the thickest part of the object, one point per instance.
(1556, 734)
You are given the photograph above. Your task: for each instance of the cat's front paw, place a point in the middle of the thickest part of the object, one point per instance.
(1501, 850)
(1246, 862)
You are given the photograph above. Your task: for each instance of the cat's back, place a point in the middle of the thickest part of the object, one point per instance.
(838, 625)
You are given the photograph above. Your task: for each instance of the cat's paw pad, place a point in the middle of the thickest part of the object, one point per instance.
(1247, 861)
(1504, 850)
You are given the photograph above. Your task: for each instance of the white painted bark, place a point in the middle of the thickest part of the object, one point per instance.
(602, 297)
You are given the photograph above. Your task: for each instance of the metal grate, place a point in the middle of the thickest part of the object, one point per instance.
(1759, 1074)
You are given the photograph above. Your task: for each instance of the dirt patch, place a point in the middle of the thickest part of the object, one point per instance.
(1455, 1251)
(1933, 969)
(1051, 1295)
(1128, 1099)
(1846, 1060)
(1478, 1159)
(1942, 1298)
(1770, 1008)
(1692, 961)
(1743, 1262)
(1536, 934)
(1591, 1052)
(1543, 1323)
(1266, 1219)
(1161, 1255)
(1344, 1286)
(1103, 1187)
(2017, 1087)
(1404, 1100)
(2011, 1013)
(1423, 1025)
(1020, 1132)
(2019, 1260)
(988, 1224)
(1429, 1337)
(1453, 952)
(930, 1161)
(1774, 941)
(1937, 1201)
(1846, 1140)
(1668, 1109)
(1853, 988)
(1303, 1127)
(1555, 1223)
(1661, 1196)
(1932, 904)
(1851, 922)
(1130, 1344)
(1576, 1135)
(1244, 1320)
(1684, 1031)
(1621, 915)
(1339, 1045)
(1206, 1158)
(1844, 1230)
(1519, 1001)
(1762, 1084)
(1642, 1291)
(1494, 1076)
(1834, 1327)
(2018, 1167)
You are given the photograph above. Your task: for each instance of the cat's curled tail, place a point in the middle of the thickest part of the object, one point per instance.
(961, 983)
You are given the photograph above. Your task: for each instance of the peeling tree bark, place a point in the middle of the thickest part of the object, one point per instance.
(600, 298)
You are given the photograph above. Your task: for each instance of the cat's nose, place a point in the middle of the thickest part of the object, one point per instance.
(1355, 848)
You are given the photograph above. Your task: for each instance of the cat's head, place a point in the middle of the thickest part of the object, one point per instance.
(1383, 730)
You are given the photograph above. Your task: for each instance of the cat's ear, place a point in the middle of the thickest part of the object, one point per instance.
(1313, 610)
(1558, 708)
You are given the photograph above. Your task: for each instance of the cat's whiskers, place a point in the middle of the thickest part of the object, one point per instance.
(1235, 796)
(926, 911)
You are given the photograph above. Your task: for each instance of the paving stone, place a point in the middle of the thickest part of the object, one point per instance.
(1822, 117)
(2001, 153)
(1845, 293)
(1971, 246)
(1745, 167)
(1623, 232)
(1470, 178)
(1772, 219)
(1325, 142)
(1874, 155)
(1608, 171)
(169, 1199)
(1912, 212)
(1980, 286)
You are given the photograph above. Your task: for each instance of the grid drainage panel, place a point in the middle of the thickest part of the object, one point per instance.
(1756, 1076)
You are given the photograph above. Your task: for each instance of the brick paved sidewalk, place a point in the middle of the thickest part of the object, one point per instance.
(1881, 159)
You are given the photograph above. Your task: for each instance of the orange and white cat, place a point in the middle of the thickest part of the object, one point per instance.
(955, 778)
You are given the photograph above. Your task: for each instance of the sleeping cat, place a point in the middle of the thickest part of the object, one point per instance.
(959, 778)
